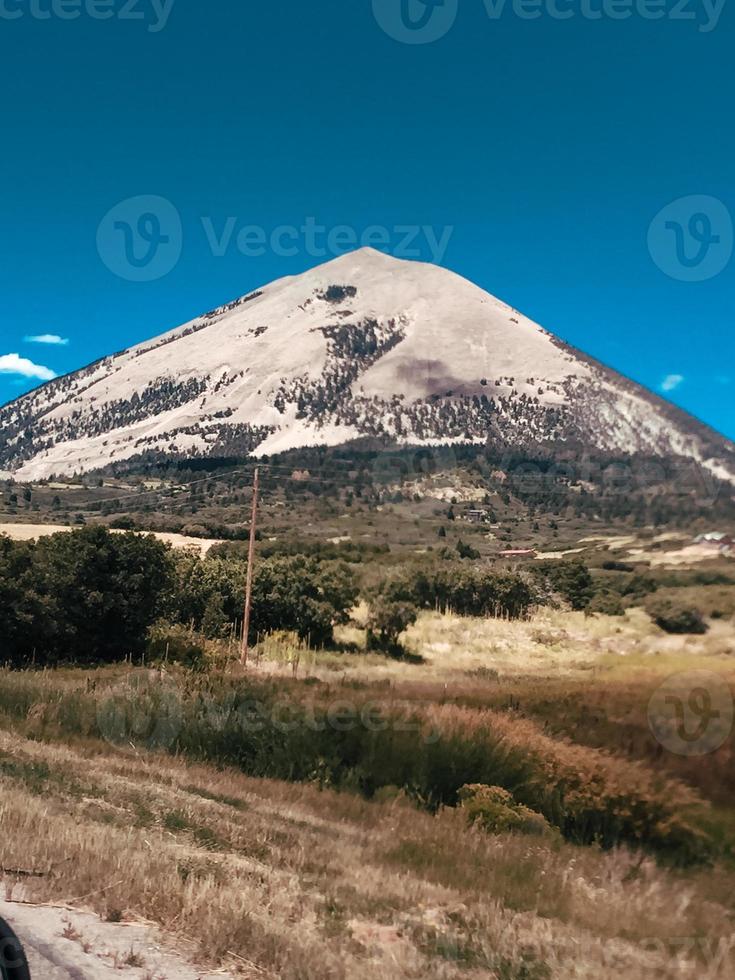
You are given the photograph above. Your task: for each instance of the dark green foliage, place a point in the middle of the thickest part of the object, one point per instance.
(386, 622)
(294, 593)
(606, 602)
(674, 617)
(209, 593)
(464, 589)
(175, 644)
(85, 596)
(23, 610)
(91, 596)
(338, 294)
(467, 551)
(618, 566)
(303, 595)
(571, 580)
(636, 587)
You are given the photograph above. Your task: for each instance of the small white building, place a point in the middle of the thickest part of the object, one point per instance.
(716, 540)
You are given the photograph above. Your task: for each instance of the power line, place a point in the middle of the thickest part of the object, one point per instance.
(165, 496)
(222, 476)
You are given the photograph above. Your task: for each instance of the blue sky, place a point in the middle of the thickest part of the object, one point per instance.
(546, 149)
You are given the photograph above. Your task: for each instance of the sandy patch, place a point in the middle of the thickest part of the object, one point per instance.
(544, 555)
(691, 554)
(31, 532)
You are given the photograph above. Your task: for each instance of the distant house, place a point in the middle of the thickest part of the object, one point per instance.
(518, 553)
(477, 516)
(716, 539)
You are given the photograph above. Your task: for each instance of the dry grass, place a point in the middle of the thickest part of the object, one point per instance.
(288, 881)
(551, 643)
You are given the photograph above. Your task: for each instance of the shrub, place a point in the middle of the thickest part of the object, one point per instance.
(674, 617)
(466, 551)
(495, 810)
(463, 589)
(618, 566)
(607, 603)
(176, 644)
(571, 580)
(386, 621)
(637, 586)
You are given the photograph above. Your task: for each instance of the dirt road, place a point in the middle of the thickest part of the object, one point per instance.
(62, 944)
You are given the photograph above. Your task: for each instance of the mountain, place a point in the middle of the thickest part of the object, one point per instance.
(365, 345)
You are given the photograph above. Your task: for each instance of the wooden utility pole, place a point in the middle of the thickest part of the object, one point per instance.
(251, 561)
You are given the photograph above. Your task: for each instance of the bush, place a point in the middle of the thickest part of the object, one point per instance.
(637, 587)
(607, 603)
(618, 566)
(462, 589)
(466, 551)
(176, 644)
(674, 617)
(495, 810)
(386, 621)
(571, 580)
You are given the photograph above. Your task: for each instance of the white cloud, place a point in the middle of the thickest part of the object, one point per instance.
(47, 338)
(15, 364)
(671, 382)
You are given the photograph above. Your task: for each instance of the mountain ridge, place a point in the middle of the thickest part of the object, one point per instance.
(364, 345)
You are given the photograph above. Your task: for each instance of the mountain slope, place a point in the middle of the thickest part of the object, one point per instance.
(364, 345)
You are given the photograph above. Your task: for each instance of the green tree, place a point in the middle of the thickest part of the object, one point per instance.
(25, 614)
(571, 580)
(209, 592)
(106, 590)
(302, 595)
(386, 621)
(466, 550)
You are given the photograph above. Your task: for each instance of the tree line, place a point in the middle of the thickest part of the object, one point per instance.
(92, 596)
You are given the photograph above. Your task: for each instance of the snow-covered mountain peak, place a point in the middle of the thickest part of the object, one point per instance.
(364, 345)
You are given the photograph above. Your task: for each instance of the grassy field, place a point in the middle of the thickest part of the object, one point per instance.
(300, 821)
